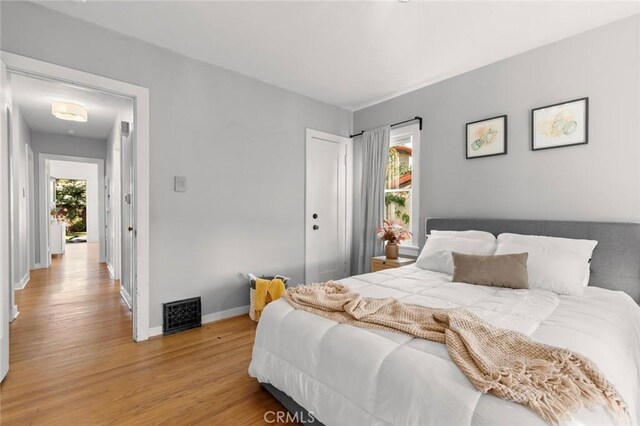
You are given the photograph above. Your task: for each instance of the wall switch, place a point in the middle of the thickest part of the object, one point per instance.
(180, 183)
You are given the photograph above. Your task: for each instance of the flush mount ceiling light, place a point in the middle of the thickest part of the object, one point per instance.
(68, 111)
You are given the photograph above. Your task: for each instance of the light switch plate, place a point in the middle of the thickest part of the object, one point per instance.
(180, 183)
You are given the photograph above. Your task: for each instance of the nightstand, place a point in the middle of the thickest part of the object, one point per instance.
(379, 263)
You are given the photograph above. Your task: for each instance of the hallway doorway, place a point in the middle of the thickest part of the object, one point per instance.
(56, 121)
(14, 259)
(77, 207)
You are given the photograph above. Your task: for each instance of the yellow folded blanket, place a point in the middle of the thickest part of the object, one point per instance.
(553, 382)
(266, 291)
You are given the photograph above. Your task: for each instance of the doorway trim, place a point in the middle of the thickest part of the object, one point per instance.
(45, 257)
(33, 246)
(140, 96)
(311, 134)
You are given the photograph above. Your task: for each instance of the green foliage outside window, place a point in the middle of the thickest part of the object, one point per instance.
(71, 204)
(396, 202)
(397, 199)
(396, 168)
(393, 202)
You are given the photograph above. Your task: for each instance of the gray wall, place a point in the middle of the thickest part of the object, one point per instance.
(49, 143)
(20, 139)
(598, 181)
(239, 141)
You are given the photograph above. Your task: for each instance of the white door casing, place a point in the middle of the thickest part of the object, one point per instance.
(141, 144)
(47, 198)
(5, 288)
(12, 207)
(32, 210)
(327, 206)
(45, 216)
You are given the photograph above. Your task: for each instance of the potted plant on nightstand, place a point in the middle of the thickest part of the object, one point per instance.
(393, 233)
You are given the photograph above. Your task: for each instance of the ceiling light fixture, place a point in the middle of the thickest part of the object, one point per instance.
(69, 111)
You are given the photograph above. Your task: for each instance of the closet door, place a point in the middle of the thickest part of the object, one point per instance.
(326, 220)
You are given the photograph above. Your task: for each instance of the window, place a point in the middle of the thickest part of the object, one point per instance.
(402, 184)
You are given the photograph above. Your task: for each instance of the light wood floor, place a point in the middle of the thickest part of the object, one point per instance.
(72, 360)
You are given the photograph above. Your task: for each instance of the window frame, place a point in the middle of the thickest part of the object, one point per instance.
(412, 130)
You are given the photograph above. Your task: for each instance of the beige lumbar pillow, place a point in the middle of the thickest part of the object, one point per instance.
(505, 270)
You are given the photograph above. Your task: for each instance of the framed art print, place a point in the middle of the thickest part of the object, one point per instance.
(486, 138)
(559, 125)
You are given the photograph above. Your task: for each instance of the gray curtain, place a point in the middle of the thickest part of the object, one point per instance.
(369, 211)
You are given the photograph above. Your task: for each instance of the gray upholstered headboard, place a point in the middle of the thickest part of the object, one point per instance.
(616, 260)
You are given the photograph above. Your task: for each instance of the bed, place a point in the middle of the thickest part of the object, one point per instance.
(336, 374)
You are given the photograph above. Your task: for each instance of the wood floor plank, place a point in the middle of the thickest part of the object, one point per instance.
(73, 361)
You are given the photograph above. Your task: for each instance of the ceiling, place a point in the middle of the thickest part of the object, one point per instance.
(352, 53)
(34, 97)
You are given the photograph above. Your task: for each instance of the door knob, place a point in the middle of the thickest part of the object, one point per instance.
(316, 227)
(315, 215)
(130, 228)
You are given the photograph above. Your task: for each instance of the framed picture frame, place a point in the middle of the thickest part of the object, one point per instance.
(486, 138)
(560, 125)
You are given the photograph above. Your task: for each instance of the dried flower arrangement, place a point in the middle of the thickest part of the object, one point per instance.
(393, 232)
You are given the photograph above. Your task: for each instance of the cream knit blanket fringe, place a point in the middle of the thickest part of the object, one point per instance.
(553, 382)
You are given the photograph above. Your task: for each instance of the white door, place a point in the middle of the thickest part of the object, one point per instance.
(5, 288)
(327, 220)
(127, 246)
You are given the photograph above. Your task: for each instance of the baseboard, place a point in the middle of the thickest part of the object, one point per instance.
(37, 266)
(233, 312)
(125, 296)
(112, 273)
(22, 283)
(155, 331)
(15, 312)
(209, 318)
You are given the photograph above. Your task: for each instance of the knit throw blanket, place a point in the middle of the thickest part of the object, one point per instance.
(553, 382)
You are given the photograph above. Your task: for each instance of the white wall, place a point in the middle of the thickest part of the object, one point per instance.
(599, 181)
(49, 143)
(239, 142)
(89, 173)
(21, 136)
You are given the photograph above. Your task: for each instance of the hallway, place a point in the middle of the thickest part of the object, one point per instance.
(73, 361)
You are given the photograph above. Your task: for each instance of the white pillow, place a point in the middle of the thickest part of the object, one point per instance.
(559, 265)
(587, 277)
(436, 254)
(474, 235)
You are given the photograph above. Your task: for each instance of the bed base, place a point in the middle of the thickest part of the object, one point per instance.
(297, 412)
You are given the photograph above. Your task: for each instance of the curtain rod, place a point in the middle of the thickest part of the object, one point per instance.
(418, 118)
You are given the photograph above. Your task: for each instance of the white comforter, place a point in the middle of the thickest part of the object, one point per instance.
(351, 376)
